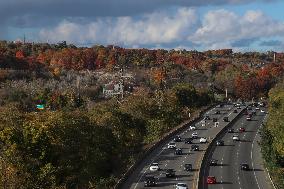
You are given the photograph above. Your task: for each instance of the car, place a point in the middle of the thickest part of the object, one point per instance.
(239, 107)
(194, 135)
(211, 180)
(249, 108)
(170, 173)
(242, 129)
(178, 151)
(171, 145)
(203, 140)
(192, 127)
(154, 167)
(217, 112)
(213, 162)
(248, 118)
(214, 119)
(220, 143)
(262, 104)
(257, 108)
(207, 118)
(181, 186)
(262, 111)
(245, 112)
(236, 138)
(194, 148)
(150, 181)
(188, 141)
(244, 166)
(231, 131)
(188, 167)
(177, 139)
(235, 111)
(226, 119)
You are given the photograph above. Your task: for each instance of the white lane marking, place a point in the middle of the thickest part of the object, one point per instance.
(147, 169)
(251, 155)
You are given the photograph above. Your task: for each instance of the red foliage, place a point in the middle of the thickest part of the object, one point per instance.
(20, 54)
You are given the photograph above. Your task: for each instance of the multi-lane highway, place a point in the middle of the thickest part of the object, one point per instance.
(228, 171)
(168, 160)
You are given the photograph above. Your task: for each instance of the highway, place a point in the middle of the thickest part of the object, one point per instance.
(228, 172)
(168, 160)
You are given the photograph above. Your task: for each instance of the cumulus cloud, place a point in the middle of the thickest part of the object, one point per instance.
(183, 27)
(155, 28)
(221, 27)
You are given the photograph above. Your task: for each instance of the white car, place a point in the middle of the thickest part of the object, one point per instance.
(203, 140)
(171, 145)
(257, 108)
(262, 111)
(181, 186)
(154, 167)
(194, 135)
(236, 138)
(192, 127)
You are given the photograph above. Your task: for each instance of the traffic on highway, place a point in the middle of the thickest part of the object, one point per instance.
(176, 162)
(236, 163)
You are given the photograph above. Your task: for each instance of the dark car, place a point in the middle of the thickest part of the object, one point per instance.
(178, 151)
(150, 181)
(244, 166)
(188, 141)
(194, 148)
(170, 173)
(207, 117)
(245, 112)
(220, 143)
(249, 108)
(213, 162)
(226, 119)
(235, 111)
(242, 129)
(177, 139)
(214, 119)
(217, 112)
(231, 131)
(188, 167)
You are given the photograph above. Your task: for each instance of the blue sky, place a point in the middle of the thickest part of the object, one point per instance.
(244, 25)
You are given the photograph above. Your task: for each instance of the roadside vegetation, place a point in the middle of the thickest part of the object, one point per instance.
(273, 136)
(80, 139)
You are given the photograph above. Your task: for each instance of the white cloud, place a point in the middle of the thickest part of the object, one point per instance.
(183, 27)
(222, 27)
(158, 27)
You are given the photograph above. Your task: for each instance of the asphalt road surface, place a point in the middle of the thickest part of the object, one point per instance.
(168, 160)
(228, 172)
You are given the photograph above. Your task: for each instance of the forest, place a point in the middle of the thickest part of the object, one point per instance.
(272, 135)
(79, 139)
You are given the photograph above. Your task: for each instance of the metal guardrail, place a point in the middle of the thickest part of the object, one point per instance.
(197, 117)
(210, 145)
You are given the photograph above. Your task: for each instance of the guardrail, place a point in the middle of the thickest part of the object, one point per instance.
(204, 158)
(195, 118)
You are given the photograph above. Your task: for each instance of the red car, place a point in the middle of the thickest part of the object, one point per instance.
(211, 180)
(242, 129)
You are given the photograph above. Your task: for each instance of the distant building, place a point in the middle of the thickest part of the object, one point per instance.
(112, 89)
